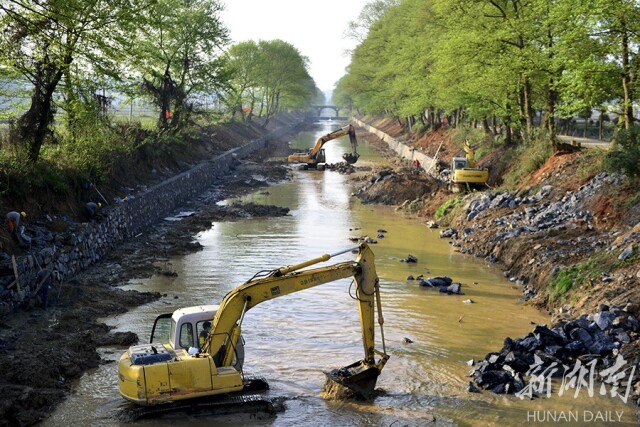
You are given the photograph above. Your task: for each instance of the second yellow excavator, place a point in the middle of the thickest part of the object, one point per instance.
(315, 158)
(464, 172)
(155, 374)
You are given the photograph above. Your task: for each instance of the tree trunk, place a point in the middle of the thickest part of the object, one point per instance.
(70, 101)
(601, 125)
(508, 134)
(627, 111)
(165, 100)
(552, 98)
(485, 127)
(33, 125)
(526, 108)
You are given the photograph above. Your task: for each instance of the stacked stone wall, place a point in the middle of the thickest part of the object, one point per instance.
(88, 243)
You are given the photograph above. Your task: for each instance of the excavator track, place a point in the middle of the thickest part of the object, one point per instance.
(233, 403)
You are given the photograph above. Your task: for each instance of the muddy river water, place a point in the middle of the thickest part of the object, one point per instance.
(290, 341)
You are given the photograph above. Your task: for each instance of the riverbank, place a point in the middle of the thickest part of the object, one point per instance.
(568, 236)
(43, 351)
(565, 215)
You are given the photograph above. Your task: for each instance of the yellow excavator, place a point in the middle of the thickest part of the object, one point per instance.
(464, 172)
(314, 158)
(154, 374)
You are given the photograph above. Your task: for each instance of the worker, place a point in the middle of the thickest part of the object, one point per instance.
(416, 163)
(90, 210)
(205, 333)
(13, 224)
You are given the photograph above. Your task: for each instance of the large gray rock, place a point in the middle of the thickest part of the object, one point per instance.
(604, 319)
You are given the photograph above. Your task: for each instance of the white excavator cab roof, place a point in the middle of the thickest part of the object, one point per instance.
(195, 313)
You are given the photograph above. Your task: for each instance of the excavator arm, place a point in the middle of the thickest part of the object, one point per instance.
(346, 130)
(470, 155)
(315, 154)
(227, 323)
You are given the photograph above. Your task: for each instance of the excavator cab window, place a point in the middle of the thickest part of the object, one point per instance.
(186, 335)
(162, 327)
(203, 328)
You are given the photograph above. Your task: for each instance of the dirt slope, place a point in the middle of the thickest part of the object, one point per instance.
(588, 223)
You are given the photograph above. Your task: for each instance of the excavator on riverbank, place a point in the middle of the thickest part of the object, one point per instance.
(465, 175)
(171, 377)
(315, 157)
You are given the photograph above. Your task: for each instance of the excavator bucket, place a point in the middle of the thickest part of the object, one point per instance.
(359, 377)
(351, 158)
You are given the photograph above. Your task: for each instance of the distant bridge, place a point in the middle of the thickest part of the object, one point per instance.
(320, 108)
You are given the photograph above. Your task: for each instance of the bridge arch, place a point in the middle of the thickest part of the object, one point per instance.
(320, 108)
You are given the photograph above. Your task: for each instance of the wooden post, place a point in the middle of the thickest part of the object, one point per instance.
(15, 272)
(44, 279)
(101, 196)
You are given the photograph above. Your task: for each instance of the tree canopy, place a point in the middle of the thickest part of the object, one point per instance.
(268, 77)
(74, 56)
(525, 63)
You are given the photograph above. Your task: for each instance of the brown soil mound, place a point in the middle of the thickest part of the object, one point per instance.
(396, 188)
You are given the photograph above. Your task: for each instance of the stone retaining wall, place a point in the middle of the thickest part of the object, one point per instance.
(405, 151)
(89, 242)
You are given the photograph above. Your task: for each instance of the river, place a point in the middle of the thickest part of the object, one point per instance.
(290, 341)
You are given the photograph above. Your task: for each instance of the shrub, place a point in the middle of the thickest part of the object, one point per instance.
(625, 153)
(528, 158)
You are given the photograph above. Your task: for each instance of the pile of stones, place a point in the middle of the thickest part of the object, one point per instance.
(556, 351)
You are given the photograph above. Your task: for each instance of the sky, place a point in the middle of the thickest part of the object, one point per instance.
(315, 28)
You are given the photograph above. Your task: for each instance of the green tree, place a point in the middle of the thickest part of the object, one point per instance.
(243, 61)
(370, 13)
(617, 24)
(272, 76)
(178, 55)
(41, 39)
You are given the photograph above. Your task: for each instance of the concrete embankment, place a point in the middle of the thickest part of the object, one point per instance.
(404, 150)
(68, 253)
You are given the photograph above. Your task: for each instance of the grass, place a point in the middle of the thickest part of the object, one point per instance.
(446, 210)
(570, 278)
(590, 163)
(633, 201)
(526, 159)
